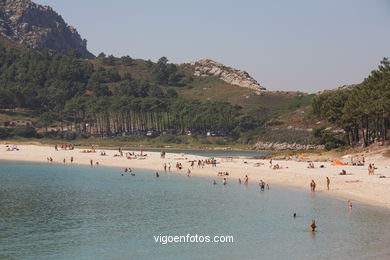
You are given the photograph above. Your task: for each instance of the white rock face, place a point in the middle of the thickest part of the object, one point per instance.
(241, 78)
(39, 27)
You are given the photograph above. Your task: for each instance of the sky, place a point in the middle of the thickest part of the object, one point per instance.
(302, 45)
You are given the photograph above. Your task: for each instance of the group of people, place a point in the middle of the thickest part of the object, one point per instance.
(128, 170)
(64, 147)
(310, 165)
(223, 174)
(313, 184)
(11, 148)
(167, 167)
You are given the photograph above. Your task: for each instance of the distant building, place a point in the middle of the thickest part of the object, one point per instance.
(21, 122)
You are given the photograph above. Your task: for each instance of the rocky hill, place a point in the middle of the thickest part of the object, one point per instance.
(342, 87)
(210, 68)
(39, 27)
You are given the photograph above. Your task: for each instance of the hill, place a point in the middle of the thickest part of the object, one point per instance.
(193, 85)
(39, 27)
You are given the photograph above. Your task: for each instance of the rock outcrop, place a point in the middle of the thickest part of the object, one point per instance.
(210, 68)
(343, 87)
(39, 27)
(286, 146)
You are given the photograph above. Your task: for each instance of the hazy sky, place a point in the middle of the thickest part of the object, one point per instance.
(305, 45)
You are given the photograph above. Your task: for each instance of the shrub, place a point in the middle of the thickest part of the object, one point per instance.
(4, 134)
(24, 131)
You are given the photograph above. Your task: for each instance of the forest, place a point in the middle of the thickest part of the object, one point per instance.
(363, 112)
(74, 94)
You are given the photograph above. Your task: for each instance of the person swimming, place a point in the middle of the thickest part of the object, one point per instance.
(313, 226)
(214, 182)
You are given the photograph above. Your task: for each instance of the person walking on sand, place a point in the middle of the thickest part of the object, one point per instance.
(312, 186)
(313, 226)
(188, 172)
(246, 179)
(64, 161)
(169, 167)
(71, 159)
(327, 182)
(165, 167)
(369, 169)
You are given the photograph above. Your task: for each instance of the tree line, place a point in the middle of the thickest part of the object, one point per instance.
(363, 112)
(70, 92)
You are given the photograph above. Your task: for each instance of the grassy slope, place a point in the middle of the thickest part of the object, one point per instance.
(214, 89)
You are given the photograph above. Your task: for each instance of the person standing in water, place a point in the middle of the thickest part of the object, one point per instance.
(327, 182)
(91, 163)
(224, 181)
(157, 175)
(349, 205)
(313, 226)
(262, 185)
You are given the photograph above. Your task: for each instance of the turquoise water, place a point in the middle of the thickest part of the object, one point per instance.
(51, 211)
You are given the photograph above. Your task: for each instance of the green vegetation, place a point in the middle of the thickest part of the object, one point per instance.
(74, 94)
(328, 138)
(362, 112)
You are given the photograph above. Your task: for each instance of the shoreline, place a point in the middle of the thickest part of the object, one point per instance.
(359, 186)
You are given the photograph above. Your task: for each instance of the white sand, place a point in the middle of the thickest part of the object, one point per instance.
(369, 189)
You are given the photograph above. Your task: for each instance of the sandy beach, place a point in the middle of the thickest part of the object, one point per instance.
(357, 185)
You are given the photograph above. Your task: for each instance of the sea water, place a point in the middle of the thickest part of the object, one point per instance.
(53, 211)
